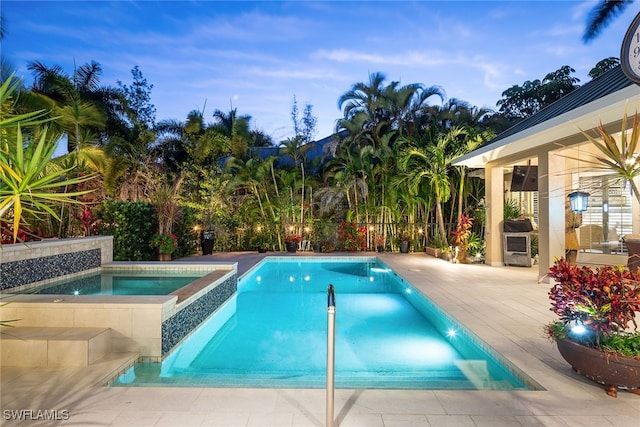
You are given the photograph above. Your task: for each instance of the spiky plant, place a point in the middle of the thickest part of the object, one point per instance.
(623, 159)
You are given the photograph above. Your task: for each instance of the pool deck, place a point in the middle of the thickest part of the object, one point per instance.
(505, 306)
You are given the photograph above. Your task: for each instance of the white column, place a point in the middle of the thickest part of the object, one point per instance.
(551, 201)
(494, 194)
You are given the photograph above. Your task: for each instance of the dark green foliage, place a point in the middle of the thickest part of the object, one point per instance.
(520, 102)
(511, 209)
(188, 240)
(132, 225)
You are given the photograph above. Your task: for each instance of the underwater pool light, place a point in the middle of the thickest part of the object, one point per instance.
(451, 333)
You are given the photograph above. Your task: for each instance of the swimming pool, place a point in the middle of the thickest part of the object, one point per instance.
(273, 334)
(120, 282)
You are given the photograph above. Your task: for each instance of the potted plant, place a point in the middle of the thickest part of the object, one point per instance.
(403, 241)
(291, 242)
(166, 244)
(380, 242)
(595, 310)
(327, 246)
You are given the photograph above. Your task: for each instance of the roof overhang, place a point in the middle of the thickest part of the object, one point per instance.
(563, 130)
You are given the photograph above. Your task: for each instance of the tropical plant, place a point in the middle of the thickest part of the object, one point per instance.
(352, 237)
(461, 236)
(132, 226)
(28, 183)
(165, 200)
(165, 242)
(593, 305)
(292, 238)
(623, 160)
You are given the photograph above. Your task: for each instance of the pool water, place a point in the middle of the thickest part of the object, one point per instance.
(120, 282)
(274, 334)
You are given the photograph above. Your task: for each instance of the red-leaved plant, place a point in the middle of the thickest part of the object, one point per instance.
(352, 237)
(604, 300)
(292, 238)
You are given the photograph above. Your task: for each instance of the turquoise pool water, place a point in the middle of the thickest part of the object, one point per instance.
(273, 333)
(120, 282)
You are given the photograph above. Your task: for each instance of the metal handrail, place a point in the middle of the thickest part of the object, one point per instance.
(331, 321)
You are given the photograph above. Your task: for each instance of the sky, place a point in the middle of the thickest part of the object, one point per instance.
(256, 56)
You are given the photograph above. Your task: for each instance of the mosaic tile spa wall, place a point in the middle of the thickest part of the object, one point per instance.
(24, 272)
(175, 328)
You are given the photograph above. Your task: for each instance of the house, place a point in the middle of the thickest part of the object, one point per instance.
(550, 146)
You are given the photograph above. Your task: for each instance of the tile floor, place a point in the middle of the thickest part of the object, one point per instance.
(505, 306)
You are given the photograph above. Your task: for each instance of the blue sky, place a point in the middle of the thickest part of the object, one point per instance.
(255, 56)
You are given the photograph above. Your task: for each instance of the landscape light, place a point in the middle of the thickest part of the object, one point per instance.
(579, 329)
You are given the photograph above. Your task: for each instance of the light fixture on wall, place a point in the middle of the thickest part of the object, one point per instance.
(579, 201)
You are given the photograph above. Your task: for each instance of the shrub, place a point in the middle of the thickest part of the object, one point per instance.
(132, 226)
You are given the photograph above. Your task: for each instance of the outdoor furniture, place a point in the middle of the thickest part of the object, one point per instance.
(592, 237)
(633, 247)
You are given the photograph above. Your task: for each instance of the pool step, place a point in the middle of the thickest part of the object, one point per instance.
(53, 347)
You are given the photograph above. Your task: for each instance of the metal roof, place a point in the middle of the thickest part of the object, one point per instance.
(603, 98)
(605, 84)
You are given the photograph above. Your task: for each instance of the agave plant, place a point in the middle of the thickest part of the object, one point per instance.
(28, 183)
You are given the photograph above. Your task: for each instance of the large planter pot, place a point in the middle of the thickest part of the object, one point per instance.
(435, 252)
(291, 246)
(605, 368)
(404, 247)
(206, 241)
(164, 257)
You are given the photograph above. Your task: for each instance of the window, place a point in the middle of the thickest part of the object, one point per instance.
(608, 217)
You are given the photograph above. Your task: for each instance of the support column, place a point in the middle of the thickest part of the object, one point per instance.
(494, 203)
(551, 202)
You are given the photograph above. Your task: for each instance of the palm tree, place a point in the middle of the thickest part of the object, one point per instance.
(601, 15)
(427, 168)
(74, 99)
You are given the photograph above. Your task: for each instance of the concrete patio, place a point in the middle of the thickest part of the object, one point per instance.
(505, 306)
